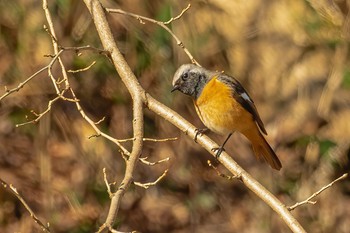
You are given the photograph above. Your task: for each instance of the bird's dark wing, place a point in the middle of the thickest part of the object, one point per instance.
(242, 97)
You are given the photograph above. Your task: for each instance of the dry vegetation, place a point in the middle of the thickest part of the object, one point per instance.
(292, 56)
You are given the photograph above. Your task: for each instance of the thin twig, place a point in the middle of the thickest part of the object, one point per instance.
(164, 25)
(159, 140)
(48, 109)
(115, 231)
(40, 115)
(65, 79)
(82, 69)
(97, 130)
(22, 84)
(149, 139)
(221, 174)
(54, 57)
(179, 16)
(86, 47)
(21, 199)
(52, 33)
(106, 182)
(99, 121)
(309, 199)
(144, 160)
(149, 184)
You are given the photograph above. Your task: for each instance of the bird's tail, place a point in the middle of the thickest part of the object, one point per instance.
(262, 149)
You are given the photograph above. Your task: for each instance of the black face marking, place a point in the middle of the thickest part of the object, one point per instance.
(190, 80)
(198, 88)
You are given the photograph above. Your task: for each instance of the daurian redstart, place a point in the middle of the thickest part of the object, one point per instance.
(224, 106)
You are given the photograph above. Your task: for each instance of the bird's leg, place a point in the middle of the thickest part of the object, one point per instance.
(199, 132)
(221, 148)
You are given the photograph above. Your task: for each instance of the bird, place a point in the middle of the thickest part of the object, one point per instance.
(224, 106)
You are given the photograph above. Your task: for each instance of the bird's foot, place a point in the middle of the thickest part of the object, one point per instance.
(199, 132)
(218, 150)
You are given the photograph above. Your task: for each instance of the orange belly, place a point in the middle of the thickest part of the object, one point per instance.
(219, 111)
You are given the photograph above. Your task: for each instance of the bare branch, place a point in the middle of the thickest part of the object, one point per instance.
(86, 47)
(98, 14)
(106, 182)
(51, 31)
(49, 67)
(22, 84)
(179, 16)
(159, 140)
(83, 69)
(48, 109)
(149, 184)
(65, 79)
(309, 199)
(190, 130)
(99, 121)
(97, 130)
(161, 24)
(115, 231)
(20, 198)
(40, 115)
(137, 94)
(149, 139)
(144, 160)
(221, 174)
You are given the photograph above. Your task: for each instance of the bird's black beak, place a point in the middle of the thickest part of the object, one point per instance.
(176, 87)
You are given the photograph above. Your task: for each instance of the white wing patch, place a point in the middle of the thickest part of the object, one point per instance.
(246, 97)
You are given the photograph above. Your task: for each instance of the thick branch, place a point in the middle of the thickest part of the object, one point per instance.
(136, 92)
(190, 130)
(139, 96)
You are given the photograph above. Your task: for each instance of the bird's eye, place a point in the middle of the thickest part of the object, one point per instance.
(184, 76)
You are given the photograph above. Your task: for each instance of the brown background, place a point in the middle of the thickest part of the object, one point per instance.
(292, 57)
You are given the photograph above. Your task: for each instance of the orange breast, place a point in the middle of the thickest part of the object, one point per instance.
(219, 111)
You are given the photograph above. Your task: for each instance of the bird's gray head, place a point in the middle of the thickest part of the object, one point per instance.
(190, 80)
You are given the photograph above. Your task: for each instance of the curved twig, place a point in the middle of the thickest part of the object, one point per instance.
(13, 190)
(315, 194)
(164, 25)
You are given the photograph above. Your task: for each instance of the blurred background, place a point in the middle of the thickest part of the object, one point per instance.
(291, 55)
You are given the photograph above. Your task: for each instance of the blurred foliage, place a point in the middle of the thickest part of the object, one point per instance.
(346, 79)
(284, 52)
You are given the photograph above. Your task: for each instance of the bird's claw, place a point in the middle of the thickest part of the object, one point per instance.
(199, 132)
(218, 150)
